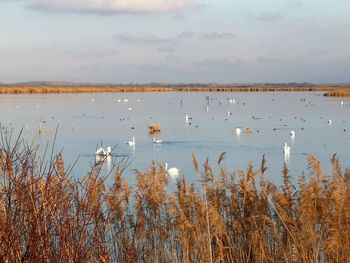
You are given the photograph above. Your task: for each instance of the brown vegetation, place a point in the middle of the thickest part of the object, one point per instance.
(51, 88)
(47, 216)
(339, 92)
(154, 128)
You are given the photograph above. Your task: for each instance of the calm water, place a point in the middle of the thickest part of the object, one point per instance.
(86, 119)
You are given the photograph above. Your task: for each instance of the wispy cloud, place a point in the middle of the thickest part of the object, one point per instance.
(186, 34)
(216, 35)
(220, 63)
(115, 6)
(270, 16)
(144, 38)
(91, 53)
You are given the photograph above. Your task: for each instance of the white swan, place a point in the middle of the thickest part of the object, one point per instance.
(131, 143)
(102, 152)
(157, 141)
(238, 131)
(172, 171)
(292, 133)
(286, 148)
(342, 103)
(329, 122)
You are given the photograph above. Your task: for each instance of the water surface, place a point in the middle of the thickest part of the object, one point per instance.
(86, 120)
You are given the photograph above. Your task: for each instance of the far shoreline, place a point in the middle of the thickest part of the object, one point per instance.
(330, 90)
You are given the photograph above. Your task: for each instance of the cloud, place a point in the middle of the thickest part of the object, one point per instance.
(220, 63)
(166, 49)
(92, 53)
(186, 34)
(144, 38)
(115, 6)
(270, 16)
(269, 60)
(216, 35)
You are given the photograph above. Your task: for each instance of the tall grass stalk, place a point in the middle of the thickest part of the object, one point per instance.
(48, 216)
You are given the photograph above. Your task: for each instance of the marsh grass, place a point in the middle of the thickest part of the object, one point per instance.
(92, 88)
(48, 216)
(338, 92)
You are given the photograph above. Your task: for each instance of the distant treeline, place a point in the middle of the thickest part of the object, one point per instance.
(89, 88)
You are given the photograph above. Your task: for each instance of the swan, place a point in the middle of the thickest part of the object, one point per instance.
(342, 103)
(329, 122)
(157, 141)
(171, 171)
(286, 148)
(131, 143)
(292, 133)
(238, 131)
(102, 152)
(125, 100)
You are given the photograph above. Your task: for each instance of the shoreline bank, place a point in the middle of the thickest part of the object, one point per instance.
(46, 89)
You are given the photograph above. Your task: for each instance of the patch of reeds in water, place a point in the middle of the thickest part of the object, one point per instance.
(48, 216)
(338, 92)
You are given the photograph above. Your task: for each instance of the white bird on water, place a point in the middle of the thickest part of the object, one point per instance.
(292, 133)
(238, 131)
(131, 143)
(329, 122)
(286, 149)
(171, 171)
(102, 152)
(187, 118)
(157, 141)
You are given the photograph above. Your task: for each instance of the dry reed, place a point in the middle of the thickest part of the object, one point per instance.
(338, 92)
(93, 88)
(154, 128)
(47, 216)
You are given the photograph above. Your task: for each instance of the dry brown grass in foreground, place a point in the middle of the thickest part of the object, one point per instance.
(339, 92)
(32, 89)
(46, 216)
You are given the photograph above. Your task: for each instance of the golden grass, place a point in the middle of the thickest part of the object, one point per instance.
(47, 216)
(32, 89)
(338, 92)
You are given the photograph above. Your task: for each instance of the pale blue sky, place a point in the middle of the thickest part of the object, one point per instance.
(138, 41)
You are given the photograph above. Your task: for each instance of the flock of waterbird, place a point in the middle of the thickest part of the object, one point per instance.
(174, 171)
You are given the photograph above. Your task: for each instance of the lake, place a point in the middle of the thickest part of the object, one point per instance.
(87, 120)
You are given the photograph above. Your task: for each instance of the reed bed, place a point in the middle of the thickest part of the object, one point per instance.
(48, 216)
(33, 89)
(338, 92)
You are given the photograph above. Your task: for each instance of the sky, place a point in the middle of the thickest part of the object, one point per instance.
(175, 41)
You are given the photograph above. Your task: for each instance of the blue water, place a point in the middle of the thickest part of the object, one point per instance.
(87, 119)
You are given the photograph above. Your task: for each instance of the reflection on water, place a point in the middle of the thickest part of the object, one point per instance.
(244, 125)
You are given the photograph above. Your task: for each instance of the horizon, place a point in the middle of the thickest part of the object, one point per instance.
(178, 41)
